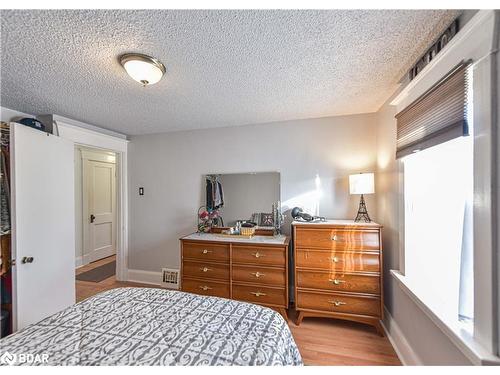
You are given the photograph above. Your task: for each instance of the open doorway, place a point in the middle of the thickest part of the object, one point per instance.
(96, 215)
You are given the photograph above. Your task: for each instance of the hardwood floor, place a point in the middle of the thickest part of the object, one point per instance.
(330, 342)
(321, 341)
(86, 289)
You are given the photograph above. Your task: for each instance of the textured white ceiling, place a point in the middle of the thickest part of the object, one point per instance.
(224, 68)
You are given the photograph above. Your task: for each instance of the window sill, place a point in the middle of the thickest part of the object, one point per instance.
(459, 336)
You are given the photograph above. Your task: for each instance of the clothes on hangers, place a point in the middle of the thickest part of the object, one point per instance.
(214, 193)
(5, 226)
(219, 195)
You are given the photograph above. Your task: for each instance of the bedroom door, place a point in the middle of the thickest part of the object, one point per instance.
(99, 200)
(43, 230)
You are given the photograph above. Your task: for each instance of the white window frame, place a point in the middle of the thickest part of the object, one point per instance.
(478, 41)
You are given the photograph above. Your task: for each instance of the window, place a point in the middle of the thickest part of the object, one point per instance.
(438, 200)
(438, 191)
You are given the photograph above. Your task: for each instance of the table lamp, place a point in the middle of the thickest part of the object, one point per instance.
(362, 183)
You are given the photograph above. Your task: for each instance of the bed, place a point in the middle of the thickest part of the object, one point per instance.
(148, 326)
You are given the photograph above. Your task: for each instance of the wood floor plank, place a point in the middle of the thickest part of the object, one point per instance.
(321, 341)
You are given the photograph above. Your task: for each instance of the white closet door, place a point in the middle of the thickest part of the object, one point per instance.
(43, 236)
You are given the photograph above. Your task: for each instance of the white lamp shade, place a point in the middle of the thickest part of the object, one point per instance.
(362, 183)
(143, 71)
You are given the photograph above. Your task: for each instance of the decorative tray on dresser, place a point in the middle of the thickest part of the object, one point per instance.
(253, 270)
(338, 271)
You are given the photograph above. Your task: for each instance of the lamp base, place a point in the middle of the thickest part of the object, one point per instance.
(362, 212)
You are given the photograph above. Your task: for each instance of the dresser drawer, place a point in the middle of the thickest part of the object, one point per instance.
(332, 302)
(272, 256)
(334, 281)
(208, 288)
(205, 251)
(338, 261)
(259, 275)
(259, 294)
(205, 270)
(337, 239)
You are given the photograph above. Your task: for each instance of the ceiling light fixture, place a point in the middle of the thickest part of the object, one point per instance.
(143, 68)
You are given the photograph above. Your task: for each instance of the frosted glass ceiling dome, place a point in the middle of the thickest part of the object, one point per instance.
(143, 68)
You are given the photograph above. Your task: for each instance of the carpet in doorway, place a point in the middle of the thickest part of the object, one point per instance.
(98, 274)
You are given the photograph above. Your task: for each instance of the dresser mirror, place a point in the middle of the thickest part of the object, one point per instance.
(243, 197)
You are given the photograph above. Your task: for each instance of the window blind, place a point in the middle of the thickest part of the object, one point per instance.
(437, 116)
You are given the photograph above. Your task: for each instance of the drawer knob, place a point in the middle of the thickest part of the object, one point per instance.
(337, 281)
(334, 237)
(205, 269)
(258, 255)
(335, 259)
(258, 294)
(205, 251)
(205, 287)
(258, 274)
(338, 303)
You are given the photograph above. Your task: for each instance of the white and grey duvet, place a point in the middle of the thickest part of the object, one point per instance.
(145, 326)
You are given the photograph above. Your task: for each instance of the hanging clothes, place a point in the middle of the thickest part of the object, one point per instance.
(209, 193)
(4, 179)
(214, 193)
(219, 195)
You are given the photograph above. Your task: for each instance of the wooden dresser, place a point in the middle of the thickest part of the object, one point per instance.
(253, 270)
(338, 271)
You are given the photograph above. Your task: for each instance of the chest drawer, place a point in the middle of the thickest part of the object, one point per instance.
(205, 251)
(338, 261)
(259, 275)
(260, 294)
(205, 270)
(338, 281)
(255, 255)
(207, 288)
(332, 302)
(337, 239)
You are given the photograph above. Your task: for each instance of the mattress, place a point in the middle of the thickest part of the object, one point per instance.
(147, 326)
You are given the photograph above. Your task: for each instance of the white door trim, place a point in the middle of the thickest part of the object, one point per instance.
(76, 132)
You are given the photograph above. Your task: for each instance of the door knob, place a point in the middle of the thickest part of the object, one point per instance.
(27, 260)
(92, 218)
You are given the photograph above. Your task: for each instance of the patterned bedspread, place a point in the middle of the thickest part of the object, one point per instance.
(146, 326)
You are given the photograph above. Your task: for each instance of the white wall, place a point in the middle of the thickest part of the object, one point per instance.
(170, 168)
(428, 343)
(7, 114)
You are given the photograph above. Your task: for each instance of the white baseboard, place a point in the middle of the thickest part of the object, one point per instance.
(78, 262)
(144, 277)
(405, 352)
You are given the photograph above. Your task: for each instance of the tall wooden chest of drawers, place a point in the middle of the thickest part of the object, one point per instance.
(254, 270)
(338, 271)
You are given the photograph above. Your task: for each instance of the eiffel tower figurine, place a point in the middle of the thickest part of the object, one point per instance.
(362, 212)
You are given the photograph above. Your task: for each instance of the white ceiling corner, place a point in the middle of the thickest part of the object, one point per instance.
(224, 68)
